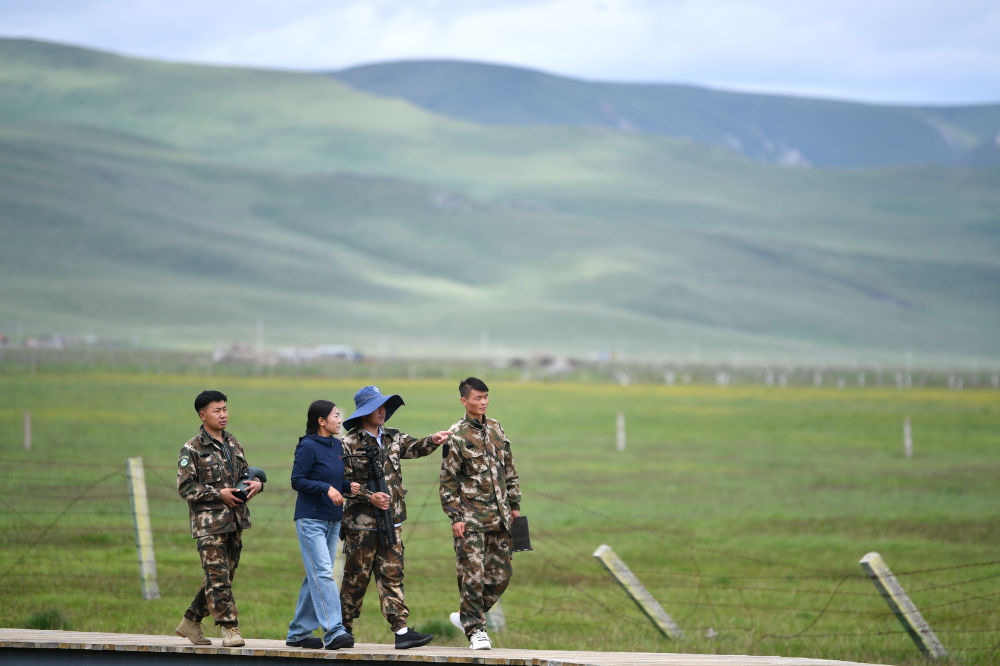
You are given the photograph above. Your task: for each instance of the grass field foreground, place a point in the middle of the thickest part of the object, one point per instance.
(744, 510)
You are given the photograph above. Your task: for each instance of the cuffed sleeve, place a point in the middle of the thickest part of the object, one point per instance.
(410, 447)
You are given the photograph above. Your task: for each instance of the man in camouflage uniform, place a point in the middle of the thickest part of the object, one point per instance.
(364, 550)
(209, 467)
(481, 494)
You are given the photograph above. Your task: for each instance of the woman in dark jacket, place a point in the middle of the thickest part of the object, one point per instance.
(318, 476)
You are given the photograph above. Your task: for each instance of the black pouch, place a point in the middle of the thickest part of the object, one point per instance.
(519, 533)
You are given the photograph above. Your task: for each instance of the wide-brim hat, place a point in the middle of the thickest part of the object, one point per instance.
(367, 400)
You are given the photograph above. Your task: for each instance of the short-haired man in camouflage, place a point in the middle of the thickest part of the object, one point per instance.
(481, 494)
(363, 550)
(209, 467)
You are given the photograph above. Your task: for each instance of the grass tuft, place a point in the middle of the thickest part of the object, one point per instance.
(49, 618)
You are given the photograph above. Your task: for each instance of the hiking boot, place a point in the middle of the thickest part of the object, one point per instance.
(412, 639)
(310, 642)
(341, 641)
(191, 630)
(456, 619)
(231, 637)
(480, 641)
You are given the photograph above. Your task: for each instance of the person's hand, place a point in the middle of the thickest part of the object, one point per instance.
(229, 499)
(380, 501)
(335, 496)
(253, 488)
(458, 529)
(355, 487)
(441, 436)
(515, 513)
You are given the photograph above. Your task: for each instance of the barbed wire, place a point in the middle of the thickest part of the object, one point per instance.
(958, 618)
(69, 505)
(701, 590)
(846, 634)
(948, 568)
(723, 553)
(552, 550)
(964, 600)
(821, 613)
(944, 586)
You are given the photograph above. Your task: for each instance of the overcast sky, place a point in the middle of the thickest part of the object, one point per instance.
(905, 51)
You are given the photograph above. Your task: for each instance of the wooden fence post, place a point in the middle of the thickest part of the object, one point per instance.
(338, 563)
(143, 528)
(495, 620)
(900, 603)
(620, 431)
(650, 606)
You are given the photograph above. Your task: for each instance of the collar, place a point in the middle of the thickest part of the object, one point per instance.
(328, 441)
(479, 425)
(207, 438)
(377, 438)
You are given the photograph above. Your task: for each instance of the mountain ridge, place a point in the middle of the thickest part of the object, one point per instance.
(141, 197)
(780, 129)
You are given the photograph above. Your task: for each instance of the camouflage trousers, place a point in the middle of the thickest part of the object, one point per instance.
(363, 555)
(482, 562)
(220, 555)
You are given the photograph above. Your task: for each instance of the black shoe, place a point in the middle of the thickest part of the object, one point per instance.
(311, 642)
(341, 641)
(412, 639)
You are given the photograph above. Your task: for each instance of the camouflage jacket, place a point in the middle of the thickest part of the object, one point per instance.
(479, 485)
(204, 467)
(359, 514)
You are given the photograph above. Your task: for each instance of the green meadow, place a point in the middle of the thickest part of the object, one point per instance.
(743, 509)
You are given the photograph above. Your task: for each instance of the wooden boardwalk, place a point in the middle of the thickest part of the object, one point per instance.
(12, 641)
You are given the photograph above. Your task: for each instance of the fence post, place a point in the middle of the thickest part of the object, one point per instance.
(27, 430)
(495, 620)
(338, 564)
(900, 603)
(650, 606)
(907, 438)
(620, 428)
(143, 528)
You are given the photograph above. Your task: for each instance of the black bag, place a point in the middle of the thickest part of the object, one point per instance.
(519, 533)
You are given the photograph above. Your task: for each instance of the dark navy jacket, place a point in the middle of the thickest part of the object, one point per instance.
(318, 465)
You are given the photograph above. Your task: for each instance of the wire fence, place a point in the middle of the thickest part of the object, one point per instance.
(893, 371)
(79, 535)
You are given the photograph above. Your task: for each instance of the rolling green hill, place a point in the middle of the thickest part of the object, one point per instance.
(771, 128)
(180, 205)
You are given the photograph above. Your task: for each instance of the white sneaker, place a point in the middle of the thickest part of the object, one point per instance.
(480, 641)
(456, 619)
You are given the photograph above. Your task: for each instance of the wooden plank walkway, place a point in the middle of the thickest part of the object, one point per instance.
(371, 652)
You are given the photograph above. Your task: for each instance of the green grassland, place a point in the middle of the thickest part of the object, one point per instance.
(745, 510)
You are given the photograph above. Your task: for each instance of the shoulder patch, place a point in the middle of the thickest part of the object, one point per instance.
(184, 461)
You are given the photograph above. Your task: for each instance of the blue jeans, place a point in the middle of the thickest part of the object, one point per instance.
(319, 599)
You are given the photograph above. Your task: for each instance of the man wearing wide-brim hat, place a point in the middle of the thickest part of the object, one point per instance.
(364, 551)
